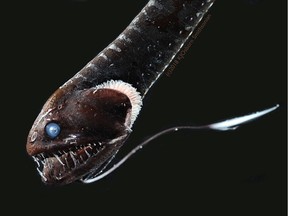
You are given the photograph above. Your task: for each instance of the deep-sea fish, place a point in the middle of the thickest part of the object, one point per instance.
(86, 120)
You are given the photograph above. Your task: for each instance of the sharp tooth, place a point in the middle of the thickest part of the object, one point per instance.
(36, 160)
(82, 158)
(87, 153)
(41, 174)
(46, 163)
(67, 164)
(73, 158)
(56, 156)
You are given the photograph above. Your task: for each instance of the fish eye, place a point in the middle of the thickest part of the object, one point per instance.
(52, 129)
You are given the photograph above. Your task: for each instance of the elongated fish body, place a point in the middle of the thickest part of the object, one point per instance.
(146, 47)
(85, 122)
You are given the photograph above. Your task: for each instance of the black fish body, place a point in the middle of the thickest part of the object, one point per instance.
(142, 52)
(85, 122)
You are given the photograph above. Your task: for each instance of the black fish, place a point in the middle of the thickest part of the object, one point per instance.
(86, 121)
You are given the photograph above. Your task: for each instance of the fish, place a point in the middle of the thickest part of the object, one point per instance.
(86, 121)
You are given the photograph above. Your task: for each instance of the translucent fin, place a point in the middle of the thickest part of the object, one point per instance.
(230, 124)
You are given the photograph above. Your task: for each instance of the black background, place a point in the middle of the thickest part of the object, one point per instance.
(237, 65)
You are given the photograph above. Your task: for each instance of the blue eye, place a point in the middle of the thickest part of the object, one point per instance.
(52, 129)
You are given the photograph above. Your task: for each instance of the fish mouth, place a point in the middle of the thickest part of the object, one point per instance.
(65, 165)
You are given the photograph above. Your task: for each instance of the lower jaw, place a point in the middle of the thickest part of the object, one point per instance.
(55, 174)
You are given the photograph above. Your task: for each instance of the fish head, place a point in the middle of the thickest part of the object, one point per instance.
(77, 132)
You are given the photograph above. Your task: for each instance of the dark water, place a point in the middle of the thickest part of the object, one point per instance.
(237, 65)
